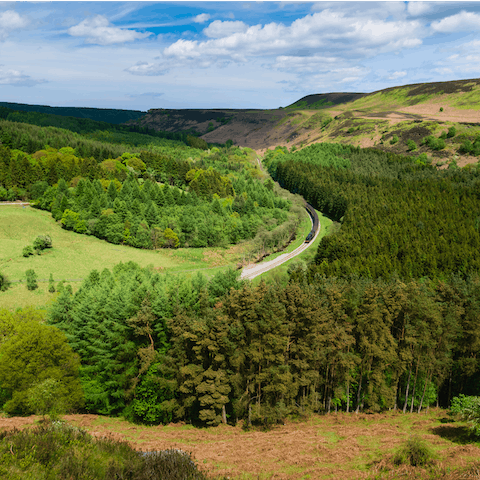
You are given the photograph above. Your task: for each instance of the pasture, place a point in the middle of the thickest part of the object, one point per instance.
(74, 256)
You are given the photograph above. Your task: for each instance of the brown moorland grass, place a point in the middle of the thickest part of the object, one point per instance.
(336, 446)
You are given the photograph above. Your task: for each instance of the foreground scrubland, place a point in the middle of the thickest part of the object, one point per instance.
(334, 446)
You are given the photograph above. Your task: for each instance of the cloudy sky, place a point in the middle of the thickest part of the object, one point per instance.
(141, 55)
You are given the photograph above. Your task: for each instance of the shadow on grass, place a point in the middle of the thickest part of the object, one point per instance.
(459, 434)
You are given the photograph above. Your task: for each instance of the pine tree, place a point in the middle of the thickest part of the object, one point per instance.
(51, 284)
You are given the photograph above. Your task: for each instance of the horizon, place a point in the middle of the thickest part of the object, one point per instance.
(235, 55)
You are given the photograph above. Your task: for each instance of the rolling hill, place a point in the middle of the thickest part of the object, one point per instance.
(389, 119)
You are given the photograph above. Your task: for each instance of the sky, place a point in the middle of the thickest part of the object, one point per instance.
(142, 55)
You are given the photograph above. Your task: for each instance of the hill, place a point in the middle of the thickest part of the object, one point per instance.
(398, 119)
(321, 100)
(109, 115)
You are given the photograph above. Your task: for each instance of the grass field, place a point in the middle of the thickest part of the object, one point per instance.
(74, 256)
(335, 446)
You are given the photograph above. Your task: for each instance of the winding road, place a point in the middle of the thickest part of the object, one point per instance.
(252, 271)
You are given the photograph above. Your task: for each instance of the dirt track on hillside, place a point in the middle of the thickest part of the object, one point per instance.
(333, 446)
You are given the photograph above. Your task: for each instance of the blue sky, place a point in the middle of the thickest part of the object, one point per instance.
(141, 55)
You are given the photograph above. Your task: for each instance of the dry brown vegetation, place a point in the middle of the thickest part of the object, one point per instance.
(336, 446)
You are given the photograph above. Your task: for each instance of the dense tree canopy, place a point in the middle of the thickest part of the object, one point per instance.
(398, 214)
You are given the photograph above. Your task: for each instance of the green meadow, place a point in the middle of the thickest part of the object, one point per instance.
(74, 256)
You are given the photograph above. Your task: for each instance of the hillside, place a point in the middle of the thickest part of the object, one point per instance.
(387, 119)
(109, 115)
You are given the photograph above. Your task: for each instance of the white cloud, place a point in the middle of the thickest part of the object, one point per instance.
(415, 9)
(327, 80)
(219, 29)
(396, 75)
(98, 30)
(147, 68)
(202, 18)
(17, 78)
(444, 71)
(332, 33)
(464, 60)
(312, 64)
(10, 21)
(460, 22)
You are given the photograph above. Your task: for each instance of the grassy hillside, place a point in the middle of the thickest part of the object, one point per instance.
(460, 93)
(74, 256)
(389, 119)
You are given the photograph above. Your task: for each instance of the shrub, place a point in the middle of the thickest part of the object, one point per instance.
(27, 251)
(394, 140)
(4, 282)
(58, 450)
(434, 143)
(443, 135)
(31, 279)
(467, 408)
(441, 109)
(466, 147)
(415, 452)
(411, 145)
(452, 131)
(11, 195)
(42, 242)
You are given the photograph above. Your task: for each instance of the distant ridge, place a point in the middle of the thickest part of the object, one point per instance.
(109, 115)
(320, 100)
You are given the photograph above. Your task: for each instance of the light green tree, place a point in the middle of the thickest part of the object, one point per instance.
(38, 353)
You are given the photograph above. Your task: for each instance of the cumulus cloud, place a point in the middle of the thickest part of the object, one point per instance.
(460, 22)
(327, 31)
(396, 75)
(17, 78)
(418, 8)
(202, 18)
(321, 49)
(98, 30)
(219, 29)
(147, 68)
(9, 22)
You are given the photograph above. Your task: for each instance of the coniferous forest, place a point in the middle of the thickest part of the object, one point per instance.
(385, 317)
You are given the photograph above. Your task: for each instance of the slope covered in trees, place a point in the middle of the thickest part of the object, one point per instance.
(215, 198)
(159, 348)
(398, 215)
(109, 115)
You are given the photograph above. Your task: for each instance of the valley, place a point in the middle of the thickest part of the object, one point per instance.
(329, 365)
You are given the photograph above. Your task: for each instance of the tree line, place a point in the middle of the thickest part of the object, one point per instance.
(158, 348)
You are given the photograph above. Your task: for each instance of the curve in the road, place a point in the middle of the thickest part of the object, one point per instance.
(252, 271)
